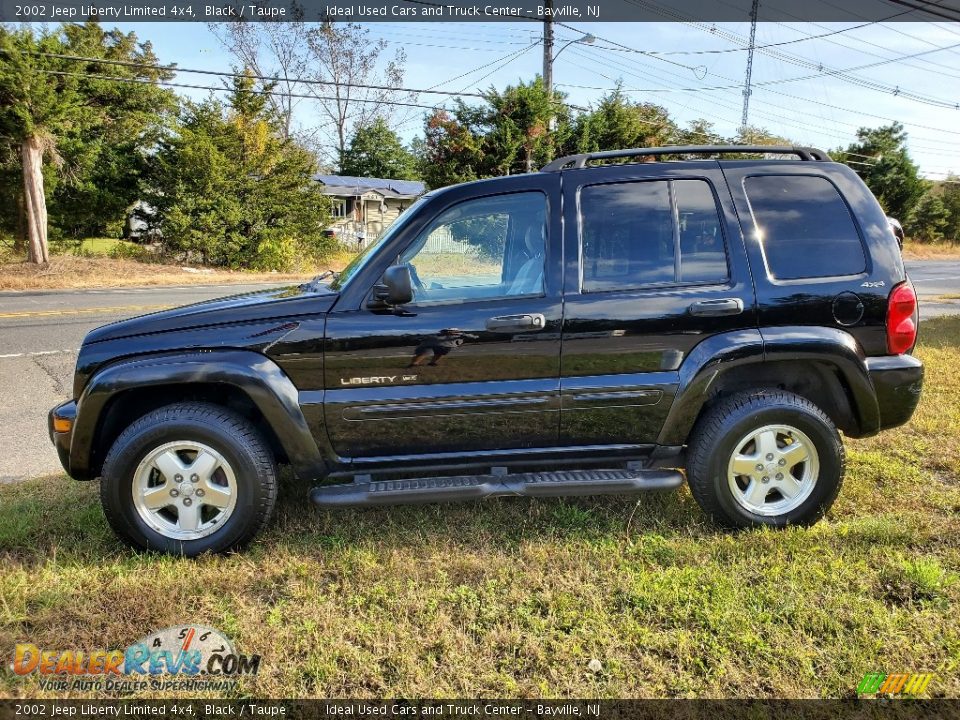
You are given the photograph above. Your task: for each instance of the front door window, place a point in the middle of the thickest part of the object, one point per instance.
(493, 247)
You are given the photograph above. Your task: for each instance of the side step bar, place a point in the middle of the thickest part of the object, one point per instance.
(474, 487)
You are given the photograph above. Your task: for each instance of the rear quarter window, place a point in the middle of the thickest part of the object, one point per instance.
(804, 227)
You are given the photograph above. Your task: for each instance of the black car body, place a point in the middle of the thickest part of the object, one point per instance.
(664, 288)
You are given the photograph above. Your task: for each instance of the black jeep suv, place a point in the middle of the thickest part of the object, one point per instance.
(587, 329)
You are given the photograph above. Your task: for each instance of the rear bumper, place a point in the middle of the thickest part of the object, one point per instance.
(898, 381)
(61, 440)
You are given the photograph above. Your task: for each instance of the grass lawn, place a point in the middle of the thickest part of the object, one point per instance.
(103, 246)
(515, 597)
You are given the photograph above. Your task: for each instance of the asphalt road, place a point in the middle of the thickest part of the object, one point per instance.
(40, 332)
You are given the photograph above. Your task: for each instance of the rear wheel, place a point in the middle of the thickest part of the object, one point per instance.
(187, 479)
(765, 458)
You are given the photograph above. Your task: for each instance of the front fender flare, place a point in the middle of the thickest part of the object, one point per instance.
(262, 380)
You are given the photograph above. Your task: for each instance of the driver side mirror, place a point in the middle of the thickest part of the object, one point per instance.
(397, 288)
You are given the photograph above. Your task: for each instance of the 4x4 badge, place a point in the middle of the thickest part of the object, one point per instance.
(878, 283)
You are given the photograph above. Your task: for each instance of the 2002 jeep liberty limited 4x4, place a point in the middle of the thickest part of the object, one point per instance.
(603, 325)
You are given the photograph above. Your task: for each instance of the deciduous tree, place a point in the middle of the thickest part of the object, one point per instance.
(359, 86)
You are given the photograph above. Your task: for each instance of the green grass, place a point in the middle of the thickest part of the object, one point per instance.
(102, 246)
(95, 246)
(515, 597)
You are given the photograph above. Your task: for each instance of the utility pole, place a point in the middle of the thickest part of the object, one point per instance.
(548, 48)
(746, 82)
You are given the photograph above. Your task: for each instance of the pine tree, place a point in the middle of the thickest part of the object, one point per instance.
(230, 190)
(376, 151)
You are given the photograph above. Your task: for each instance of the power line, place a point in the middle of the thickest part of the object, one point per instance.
(778, 118)
(941, 67)
(931, 8)
(625, 49)
(501, 63)
(723, 51)
(842, 74)
(776, 92)
(764, 85)
(263, 78)
(214, 88)
(305, 81)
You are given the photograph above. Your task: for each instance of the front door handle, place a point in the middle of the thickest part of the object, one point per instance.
(513, 323)
(715, 308)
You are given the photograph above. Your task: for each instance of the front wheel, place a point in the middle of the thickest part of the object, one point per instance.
(765, 458)
(187, 479)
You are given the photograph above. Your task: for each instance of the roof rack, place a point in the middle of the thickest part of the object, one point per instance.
(579, 161)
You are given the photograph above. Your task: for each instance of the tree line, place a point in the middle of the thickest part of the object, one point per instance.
(91, 134)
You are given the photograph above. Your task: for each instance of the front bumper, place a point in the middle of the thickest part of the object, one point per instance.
(898, 381)
(61, 440)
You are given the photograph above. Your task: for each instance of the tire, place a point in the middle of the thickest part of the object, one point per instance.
(735, 436)
(219, 507)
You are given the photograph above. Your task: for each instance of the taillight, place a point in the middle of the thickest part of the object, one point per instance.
(901, 319)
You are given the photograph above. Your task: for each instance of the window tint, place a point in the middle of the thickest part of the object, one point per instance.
(703, 256)
(627, 235)
(804, 227)
(485, 248)
(631, 236)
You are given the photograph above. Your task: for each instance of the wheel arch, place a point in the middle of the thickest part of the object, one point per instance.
(245, 381)
(823, 365)
(126, 406)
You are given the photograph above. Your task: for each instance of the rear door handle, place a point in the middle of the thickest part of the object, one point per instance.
(714, 308)
(512, 323)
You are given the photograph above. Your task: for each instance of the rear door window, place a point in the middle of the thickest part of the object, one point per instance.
(650, 232)
(804, 227)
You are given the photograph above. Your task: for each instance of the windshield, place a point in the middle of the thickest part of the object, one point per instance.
(361, 260)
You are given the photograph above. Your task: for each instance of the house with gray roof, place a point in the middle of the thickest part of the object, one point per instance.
(364, 207)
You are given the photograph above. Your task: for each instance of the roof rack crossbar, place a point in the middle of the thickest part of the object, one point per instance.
(581, 160)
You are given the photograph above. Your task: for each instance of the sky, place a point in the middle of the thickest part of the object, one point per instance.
(676, 65)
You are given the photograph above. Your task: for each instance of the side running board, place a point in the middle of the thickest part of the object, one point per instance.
(475, 487)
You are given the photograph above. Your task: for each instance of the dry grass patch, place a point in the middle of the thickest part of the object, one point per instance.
(931, 251)
(514, 598)
(69, 271)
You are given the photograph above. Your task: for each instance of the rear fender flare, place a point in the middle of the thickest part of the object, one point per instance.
(839, 349)
(262, 380)
(722, 353)
(699, 369)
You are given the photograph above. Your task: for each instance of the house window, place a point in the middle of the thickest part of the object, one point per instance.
(339, 209)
